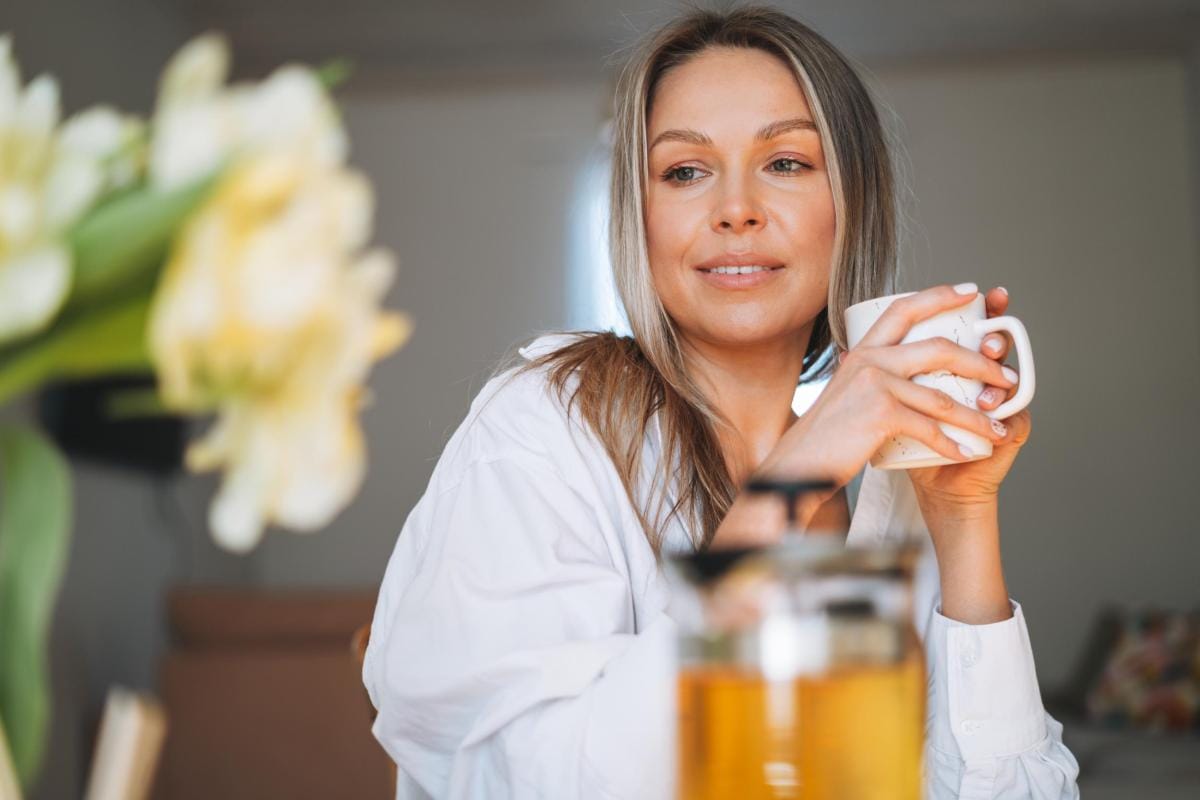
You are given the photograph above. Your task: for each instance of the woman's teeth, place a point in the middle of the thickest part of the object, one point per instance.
(738, 270)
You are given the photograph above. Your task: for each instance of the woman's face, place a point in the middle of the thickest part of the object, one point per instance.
(737, 177)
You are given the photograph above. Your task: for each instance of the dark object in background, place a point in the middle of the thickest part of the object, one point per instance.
(76, 416)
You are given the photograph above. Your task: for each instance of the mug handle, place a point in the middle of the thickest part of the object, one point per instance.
(1025, 385)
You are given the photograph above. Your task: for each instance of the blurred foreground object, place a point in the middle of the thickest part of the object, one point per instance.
(50, 175)
(800, 671)
(221, 246)
(128, 747)
(8, 775)
(268, 308)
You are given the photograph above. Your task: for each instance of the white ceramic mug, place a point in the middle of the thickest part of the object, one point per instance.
(966, 325)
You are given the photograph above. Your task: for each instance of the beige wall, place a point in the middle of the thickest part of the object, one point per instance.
(1070, 184)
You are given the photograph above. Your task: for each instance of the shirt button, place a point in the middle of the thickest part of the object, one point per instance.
(969, 648)
(970, 726)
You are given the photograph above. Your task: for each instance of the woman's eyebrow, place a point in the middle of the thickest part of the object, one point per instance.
(767, 132)
(783, 126)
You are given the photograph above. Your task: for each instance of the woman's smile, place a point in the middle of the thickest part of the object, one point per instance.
(750, 277)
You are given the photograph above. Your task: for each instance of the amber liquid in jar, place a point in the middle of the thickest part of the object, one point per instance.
(853, 733)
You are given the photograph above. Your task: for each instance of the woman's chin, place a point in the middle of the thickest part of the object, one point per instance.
(740, 333)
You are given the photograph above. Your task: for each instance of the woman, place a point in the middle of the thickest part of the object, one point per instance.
(521, 639)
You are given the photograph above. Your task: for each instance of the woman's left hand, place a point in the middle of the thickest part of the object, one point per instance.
(966, 485)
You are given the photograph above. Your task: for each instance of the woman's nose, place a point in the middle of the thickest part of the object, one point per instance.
(738, 209)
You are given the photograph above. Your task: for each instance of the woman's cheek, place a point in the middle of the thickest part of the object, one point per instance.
(668, 242)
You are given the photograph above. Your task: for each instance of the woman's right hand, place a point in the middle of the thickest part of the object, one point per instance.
(869, 399)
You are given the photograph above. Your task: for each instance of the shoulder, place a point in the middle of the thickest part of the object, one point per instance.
(551, 343)
(520, 414)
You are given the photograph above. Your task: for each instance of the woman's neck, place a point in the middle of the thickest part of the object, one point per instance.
(753, 387)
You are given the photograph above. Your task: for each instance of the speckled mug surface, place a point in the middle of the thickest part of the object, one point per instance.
(965, 325)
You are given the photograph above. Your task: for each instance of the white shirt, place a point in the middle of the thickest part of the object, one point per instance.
(521, 645)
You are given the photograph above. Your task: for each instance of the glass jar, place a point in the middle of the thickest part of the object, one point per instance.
(800, 672)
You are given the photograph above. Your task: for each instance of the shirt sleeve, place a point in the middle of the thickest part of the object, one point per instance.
(988, 736)
(507, 662)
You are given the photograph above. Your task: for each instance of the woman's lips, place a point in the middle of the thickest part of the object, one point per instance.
(739, 281)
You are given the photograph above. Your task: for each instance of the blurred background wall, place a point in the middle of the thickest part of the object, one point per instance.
(1053, 148)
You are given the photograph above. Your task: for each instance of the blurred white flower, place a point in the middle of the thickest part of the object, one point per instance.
(201, 124)
(267, 311)
(49, 176)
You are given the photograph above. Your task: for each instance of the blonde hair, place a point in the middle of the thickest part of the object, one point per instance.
(624, 382)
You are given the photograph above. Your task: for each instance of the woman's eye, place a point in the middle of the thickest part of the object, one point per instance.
(680, 175)
(798, 166)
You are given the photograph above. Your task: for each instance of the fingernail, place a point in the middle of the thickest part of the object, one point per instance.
(966, 451)
(999, 427)
(993, 343)
(1001, 288)
(1010, 373)
(989, 395)
(967, 288)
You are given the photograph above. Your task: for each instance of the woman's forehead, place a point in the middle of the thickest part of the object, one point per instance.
(726, 91)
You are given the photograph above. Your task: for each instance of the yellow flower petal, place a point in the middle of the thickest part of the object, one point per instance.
(391, 332)
(72, 186)
(324, 469)
(197, 71)
(38, 109)
(10, 82)
(33, 286)
(19, 213)
(238, 513)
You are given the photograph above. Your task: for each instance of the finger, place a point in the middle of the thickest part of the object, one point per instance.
(996, 301)
(927, 431)
(1020, 426)
(995, 345)
(895, 322)
(991, 397)
(944, 408)
(937, 353)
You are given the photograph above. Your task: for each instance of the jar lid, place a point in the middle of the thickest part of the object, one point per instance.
(800, 575)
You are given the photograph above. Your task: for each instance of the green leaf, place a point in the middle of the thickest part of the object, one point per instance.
(96, 342)
(128, 238)
(35, 524)
(334, 73)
